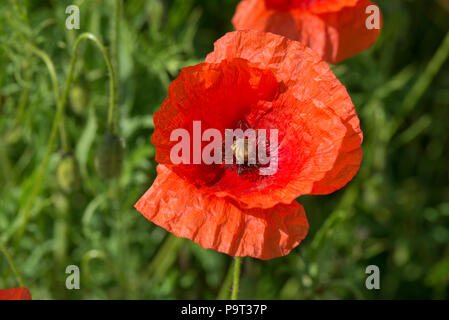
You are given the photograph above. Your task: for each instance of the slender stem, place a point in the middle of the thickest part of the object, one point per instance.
(7, 169)
(236, 281)
(422, 84)
(54, 80)
(112, 78)
(165, 256)
(225, 287)
(57, 120)
(23, 102)
(12, 264)
(115, 37)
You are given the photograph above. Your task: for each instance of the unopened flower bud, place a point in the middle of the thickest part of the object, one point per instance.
(68, 174)
(78, 99)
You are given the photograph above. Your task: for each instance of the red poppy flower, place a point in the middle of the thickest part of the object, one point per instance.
(15, 294)
(335, 29)
(265, 82)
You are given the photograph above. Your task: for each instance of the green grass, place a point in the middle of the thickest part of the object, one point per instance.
(394, 214)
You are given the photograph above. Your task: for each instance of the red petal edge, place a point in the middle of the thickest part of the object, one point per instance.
(15, 294)
(218, 223)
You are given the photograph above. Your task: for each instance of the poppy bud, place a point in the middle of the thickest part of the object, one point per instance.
(68, 174)
(109, 156)
(78, 99)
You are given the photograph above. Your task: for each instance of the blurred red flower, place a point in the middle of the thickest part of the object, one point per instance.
(15, 294)
(266, 82)
(335, 29)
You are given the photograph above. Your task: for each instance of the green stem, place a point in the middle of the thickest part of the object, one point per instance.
(112, 127)
(23, 102)
(57, 120)
(165, 257)
(422, 84)
(115, 35)
(12, 264)
(7, 169)
(225, 288)
(236, 280)
(54, 80)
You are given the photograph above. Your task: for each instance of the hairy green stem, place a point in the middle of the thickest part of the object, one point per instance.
(112, 127)
(115, 37)
(25, 213)
(165, 257)
(422, 84)
(236, 279)
(23, 102)
(11, 263)
(54, 80)
(223, 294)
(6, 168)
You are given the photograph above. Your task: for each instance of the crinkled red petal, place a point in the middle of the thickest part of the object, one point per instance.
(218, 223)
(336, 30)
(325, 6)
(317, 6)
(310, 81)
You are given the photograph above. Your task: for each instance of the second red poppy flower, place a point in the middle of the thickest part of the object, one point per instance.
(335, 29)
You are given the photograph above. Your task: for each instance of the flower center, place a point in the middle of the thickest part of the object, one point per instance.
(245, 162)
(242, 149)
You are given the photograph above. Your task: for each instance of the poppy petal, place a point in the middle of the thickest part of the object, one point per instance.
(307, 78)
(218, 223)
(317, 6)
(336, 30)
(15, 294)
(323, 6)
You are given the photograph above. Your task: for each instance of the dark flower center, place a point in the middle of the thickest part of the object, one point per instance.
(245, 153)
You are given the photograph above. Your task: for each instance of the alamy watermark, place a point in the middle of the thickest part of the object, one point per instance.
(373, 20)
(72, 282)
(373, 280)
(73, 20)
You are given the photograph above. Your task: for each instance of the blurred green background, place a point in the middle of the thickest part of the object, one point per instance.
(394, 214)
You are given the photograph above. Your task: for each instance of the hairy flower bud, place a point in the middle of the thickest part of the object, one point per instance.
(68, 174)
(109, 156)
(78, 99)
